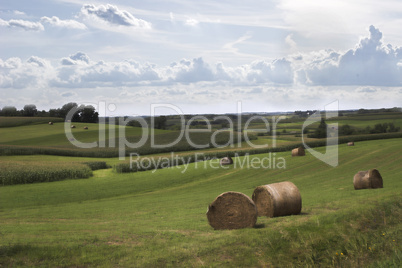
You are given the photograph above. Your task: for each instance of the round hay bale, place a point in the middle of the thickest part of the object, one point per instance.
(370, 179)
(351, 143)
(226, 161)
(232, 210)
(298, 152)
(72, 126)
(50, 123)
(277, 199)
(85, 127)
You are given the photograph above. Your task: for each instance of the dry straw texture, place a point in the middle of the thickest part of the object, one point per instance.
(232, 210)
(226, 161)
(370, 179)
(277, 199)
(298, 152)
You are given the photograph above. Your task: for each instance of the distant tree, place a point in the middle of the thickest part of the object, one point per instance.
(224, 124)
(88, 114)
(29, 110)
(321, 131)
(380, 128)
(233, 117)
(362, 111)
(384, 128)
(160, 122)
(132, 123)
(54, 113)
(66, 108)
(9, 111)
(345, 130)
(42, 113)
(392, 128)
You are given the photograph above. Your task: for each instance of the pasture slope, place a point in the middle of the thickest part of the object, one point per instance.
(157, 219)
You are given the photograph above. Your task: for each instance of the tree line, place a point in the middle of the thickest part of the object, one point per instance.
(346, 130)
(85, 113)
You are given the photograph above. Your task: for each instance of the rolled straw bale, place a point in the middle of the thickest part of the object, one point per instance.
(277, 199)
(298, 152)
(351, 143)
(370, 179)
(232, 210)
(226, 161)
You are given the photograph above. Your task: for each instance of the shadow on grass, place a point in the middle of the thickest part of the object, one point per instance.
(12, 250)
(262, 225)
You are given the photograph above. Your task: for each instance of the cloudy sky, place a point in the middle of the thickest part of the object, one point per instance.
(201, 56)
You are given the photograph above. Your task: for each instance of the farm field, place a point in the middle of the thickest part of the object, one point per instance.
(151, 219)
(35, 133)
(54, 135)
(6, 122)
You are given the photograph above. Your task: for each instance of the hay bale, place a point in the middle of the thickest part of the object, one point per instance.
(277, 199)
(232, 210)
(298, 152)
(226, 161)
(50, 123)
(85, 127)
(370, 179)
(351, 143)
(72, 126)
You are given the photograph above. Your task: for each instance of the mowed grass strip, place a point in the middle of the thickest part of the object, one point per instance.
(158, 219)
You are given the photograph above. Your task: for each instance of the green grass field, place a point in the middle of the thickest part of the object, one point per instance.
(6, 122)
(157, 219)
(54, 135)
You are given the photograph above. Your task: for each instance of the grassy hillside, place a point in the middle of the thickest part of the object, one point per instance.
(152, 219)
(41, 138)
(16, 121)
(54, 135)
(52, 139)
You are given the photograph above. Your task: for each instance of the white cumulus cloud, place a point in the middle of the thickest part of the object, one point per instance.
(113, 15)
(369, 63)
(76, 59)
(34, 72)
(55, 21)
(22, 24)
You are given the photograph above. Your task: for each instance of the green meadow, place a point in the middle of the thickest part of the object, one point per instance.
(158, 218)
(6, 122)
